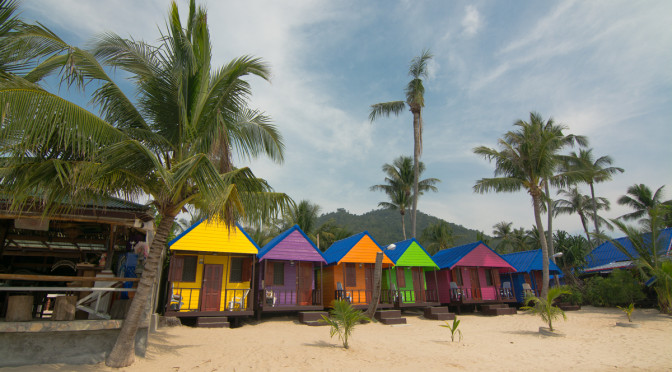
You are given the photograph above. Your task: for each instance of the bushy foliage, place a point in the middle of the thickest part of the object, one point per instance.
(619, 288)
(574, 295)
(543, 306)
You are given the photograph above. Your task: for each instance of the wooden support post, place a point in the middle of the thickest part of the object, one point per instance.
(110, 247)
(377, 274)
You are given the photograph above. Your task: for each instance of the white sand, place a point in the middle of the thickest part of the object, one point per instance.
(502, 343)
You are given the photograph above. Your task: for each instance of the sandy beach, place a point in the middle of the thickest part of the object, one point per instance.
(592, 342)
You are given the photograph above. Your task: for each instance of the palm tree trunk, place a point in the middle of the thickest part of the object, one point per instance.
(536, 202)
(597, 227)
(417, 150)
(403, 223)
(585, 228)
(123, 352)
(551, 243)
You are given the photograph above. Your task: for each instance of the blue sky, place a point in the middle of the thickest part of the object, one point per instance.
(602, 68)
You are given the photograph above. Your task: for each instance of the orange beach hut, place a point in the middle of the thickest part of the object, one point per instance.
(349, 274)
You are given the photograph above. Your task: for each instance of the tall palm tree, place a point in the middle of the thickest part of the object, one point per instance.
(575, 202)
(592, 171)
(399, 184)
(642, 200)
(171, 146)
(415, 99)
(437, 237)
(526, 159)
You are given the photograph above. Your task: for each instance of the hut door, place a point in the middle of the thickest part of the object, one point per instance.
(305, 277)
(475, 284)
(212, 287)
(418, 286)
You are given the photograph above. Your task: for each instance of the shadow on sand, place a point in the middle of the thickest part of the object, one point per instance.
(323, 344)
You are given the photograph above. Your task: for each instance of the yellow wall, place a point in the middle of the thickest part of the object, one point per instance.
(191, 303)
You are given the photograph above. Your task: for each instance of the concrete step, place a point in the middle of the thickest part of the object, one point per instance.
(436, 310)
(390, 321)
(501, 311)
(440, 316)
(314, 323)
(493, 306)
(386, 314)
(568, 307)
(309, 316)
(214, 325)
(211, 319)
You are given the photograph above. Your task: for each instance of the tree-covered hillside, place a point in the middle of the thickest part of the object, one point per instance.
(385, 225)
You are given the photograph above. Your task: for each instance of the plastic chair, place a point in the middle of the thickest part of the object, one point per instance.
(239, 300)
(342, 293)
(455, 291)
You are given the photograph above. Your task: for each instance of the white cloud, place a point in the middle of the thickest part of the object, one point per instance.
(472, 21)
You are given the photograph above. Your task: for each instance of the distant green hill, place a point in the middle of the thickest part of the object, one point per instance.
(385, 225)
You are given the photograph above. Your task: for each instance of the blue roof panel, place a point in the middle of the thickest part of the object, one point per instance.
(527, 261)
(448, 257)
(340, 248)
(607, 252)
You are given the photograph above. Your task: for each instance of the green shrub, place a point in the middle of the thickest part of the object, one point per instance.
(343, 319)
(619, 288)
(574, 295)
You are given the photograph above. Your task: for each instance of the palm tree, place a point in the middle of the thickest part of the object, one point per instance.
(528, 157)
(502, 231)
(399, 184)
(574, 249)
(592, 171)
(580, 204)
(305, 215)
(642, 200)
(188, 121)
(543, 306)
(437, 237)
(415, 99)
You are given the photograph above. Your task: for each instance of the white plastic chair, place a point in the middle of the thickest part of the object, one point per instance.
(239, 300)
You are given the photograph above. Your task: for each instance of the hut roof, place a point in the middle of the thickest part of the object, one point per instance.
(527, 261)
(607, 253)
(292, 244)
(359, 248)
(211, 236)
(472, 254)
(410, 253)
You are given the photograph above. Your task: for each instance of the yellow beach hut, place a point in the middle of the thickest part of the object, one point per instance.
(211, 269)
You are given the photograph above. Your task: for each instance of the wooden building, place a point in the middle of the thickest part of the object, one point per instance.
(407, 280)
(349, 274)
(287, 271)
(210, 275)
(528, 265)
(470, 274)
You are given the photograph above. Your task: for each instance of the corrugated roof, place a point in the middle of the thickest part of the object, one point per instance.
(270, 245)
(207, 236)
(527, 261)
(607, 252)
(448, 257)
(410, 247)
(343, 247)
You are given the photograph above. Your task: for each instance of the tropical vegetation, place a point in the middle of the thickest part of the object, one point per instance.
(173, 142)
(415, 99)
(528, 158)
(544, 307)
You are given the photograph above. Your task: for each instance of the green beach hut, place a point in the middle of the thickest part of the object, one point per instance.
(406, 282)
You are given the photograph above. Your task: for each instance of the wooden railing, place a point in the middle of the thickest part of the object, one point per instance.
(189, 299)
(363, 296)
(271, 297)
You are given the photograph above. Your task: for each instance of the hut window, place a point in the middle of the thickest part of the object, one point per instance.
(236, 272)
(278, 273)
(183, 268)
(401, 278)
(350, 275)
(488, 277)
(457, 276)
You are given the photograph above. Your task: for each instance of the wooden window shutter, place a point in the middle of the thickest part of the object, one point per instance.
(176, 266)
(189, 266)
(401, 277)
(247, 269)
(268, 278)
(279, 273)
(495, 278)
(350, 275)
